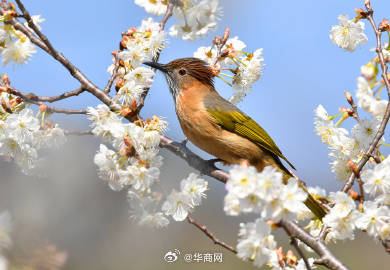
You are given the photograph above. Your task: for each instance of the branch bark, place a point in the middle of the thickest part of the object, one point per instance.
(209, 234)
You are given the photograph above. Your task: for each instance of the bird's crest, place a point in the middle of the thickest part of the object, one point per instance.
(195, 67)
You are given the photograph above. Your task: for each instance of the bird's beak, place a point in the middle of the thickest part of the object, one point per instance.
(156, 65)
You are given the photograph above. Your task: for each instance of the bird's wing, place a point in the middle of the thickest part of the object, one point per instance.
(231, 118)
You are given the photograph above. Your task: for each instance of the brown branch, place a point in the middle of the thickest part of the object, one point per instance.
(29, 98)
(294, 243)
(195, 161)
(113, 75)
(209, 234)
(52, 99)
(326, 257)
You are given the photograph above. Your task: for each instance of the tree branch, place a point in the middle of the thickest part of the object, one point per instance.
(52, 99)
(195, 161)
(326, 257)
(209, 234)
(294, 243)
(29, 98)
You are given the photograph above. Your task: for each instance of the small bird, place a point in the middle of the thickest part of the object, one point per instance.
(217, 126)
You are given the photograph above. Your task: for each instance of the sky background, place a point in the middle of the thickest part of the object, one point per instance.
(303, 69)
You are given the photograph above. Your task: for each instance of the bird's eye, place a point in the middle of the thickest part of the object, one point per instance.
(182, 72)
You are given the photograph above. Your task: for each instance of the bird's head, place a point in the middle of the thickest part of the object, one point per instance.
(183, 72)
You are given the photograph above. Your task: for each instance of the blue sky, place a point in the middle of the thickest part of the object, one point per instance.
(303, 67)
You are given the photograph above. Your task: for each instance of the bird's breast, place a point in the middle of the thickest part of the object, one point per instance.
(202, 130)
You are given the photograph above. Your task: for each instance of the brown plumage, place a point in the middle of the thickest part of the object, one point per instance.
(218, 127)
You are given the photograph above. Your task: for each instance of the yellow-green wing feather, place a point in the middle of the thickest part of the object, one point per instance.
(231, 118)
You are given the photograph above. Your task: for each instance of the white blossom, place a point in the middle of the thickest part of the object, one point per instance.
(154, 7)
(196, 20)
(177, 205)
(36, 20)
(373, 219)
(17, 51)
(248, 73)
(195, 187)
(365, 131)
(342, 217)
(255, 242)
(377, 180)
(242, 181)
(106, 160)
(348, 35)
(143, 208)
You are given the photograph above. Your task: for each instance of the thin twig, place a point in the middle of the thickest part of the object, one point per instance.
(52, 99)
(326, 257)
(113, 76)
(50, 109)
(209, 234)
(361, 197)
(294, 243)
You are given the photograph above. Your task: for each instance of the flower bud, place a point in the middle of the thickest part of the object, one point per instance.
(349, 97)
(119, 84)
(125, 111)
(369, 71)
(280, 255)
(384, 25)
(354, 168)
(226, 35)
(5, 107)
(114, 53)
(43, 108)
(291, 258)
(361, 14)
(9, 15)
(6, 79)
(354, 195)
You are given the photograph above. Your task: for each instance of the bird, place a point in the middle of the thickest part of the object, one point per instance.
(218, 127)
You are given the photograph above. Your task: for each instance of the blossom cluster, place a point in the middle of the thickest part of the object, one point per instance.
(22, 135)
(14, 45)
(195, 18)
(180, 203)
(135, 164)
(245, 67)
(343, 218)
(138, 44)
(347, 148)
(264, 194)
(344, 147)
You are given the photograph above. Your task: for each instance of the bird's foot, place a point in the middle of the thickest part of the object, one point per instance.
(213, 161)
(184, 142)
